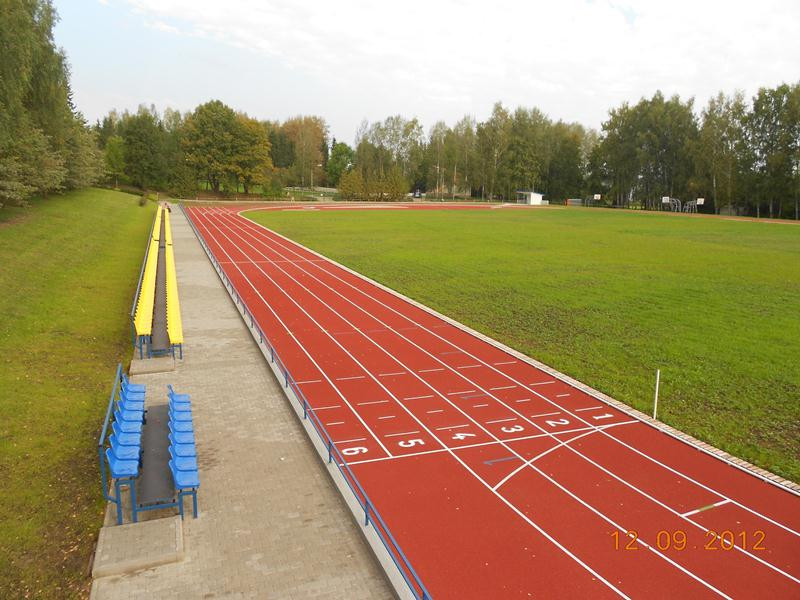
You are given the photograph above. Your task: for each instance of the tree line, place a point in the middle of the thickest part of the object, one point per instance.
(212, 148)
(743, 157)
(45, 144)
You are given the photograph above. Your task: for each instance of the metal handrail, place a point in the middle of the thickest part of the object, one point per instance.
(101, 442)
(371, 515)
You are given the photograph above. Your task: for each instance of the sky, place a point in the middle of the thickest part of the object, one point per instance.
(352, 60)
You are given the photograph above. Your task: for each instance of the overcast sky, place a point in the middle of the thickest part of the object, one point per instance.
(434, 59)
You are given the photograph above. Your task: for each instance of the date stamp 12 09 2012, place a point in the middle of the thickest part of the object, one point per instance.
(678, 540)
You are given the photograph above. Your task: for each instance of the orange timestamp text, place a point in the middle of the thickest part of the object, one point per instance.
(678, 540)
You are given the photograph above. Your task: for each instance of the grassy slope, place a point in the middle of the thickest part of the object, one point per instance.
(607, 298)
(68, 269)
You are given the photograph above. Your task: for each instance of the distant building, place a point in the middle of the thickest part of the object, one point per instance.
(530, 197)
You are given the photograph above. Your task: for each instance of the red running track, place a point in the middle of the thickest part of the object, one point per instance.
(497, 479)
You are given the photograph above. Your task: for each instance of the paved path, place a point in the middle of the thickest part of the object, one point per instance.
(272, 524)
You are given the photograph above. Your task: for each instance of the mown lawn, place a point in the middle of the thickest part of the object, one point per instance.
(608, 297)
(68, 271)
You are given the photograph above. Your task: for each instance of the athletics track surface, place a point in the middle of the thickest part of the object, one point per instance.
(496, 479)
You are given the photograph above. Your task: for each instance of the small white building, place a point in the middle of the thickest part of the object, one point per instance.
(530, 197)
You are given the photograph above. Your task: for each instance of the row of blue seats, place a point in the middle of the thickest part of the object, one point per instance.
(124, 454)
(182, 451)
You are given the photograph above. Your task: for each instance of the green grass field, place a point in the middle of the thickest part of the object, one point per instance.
(608, 297)
(68, 270)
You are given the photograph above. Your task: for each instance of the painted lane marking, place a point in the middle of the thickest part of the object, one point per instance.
(561, 395)
(503, 420)
(480, 405)
(502, 387)
(326, 407)
(468, 366)
(704, 508)
(429, 370)
(497, 460)
(589, 408)
(451, 427)
(542, 382)
(418, 397)
(402, 433)
(550, 414)
(523, 400)
(435, 411)
(387, 417)
(373, 402)
(349, 378)
(348, 441)
(334, 423)
(308, 381)
(391, 374)
(508, 362)
(491, 443)
(461, 392)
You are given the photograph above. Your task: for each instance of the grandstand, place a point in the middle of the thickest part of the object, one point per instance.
(156, 324)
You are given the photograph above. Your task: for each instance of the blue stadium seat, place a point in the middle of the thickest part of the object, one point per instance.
(186, 484)
(136, 387)
(183, 463)
(126, 439)
(181, 426)
(181, 437)
(127, 426)
(178, 416)
(182, 449)
(121, 452)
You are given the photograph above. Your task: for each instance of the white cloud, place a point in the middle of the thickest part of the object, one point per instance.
(574, 59)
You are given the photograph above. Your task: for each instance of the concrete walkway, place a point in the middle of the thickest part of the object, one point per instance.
(272, 524)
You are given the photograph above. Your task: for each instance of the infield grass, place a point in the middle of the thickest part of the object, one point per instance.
(68, 271)
(608, 297)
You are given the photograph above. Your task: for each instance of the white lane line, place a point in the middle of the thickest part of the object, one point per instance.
(480, 405)
(387, 417)
(518, 511)
(523, 400)
(435, 411)
(451, 427)
(334, 423)
(419, 397)
(502, 387)
(503, 420)
(308, 381)
(349, 378)
(372, 402)
(289, 332)
(507, 362)
(402, 433)
(429, 370)
(326, 407)
(704, 508)
(561, 395)
(390, 374)
(468, 366)
(589, 408)
(542, 382)
(348, 441)
(550, 414)
(461, 392)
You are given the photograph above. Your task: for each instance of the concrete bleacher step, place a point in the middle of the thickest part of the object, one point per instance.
(123, 549)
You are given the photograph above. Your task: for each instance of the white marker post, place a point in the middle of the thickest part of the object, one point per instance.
(655, 401)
